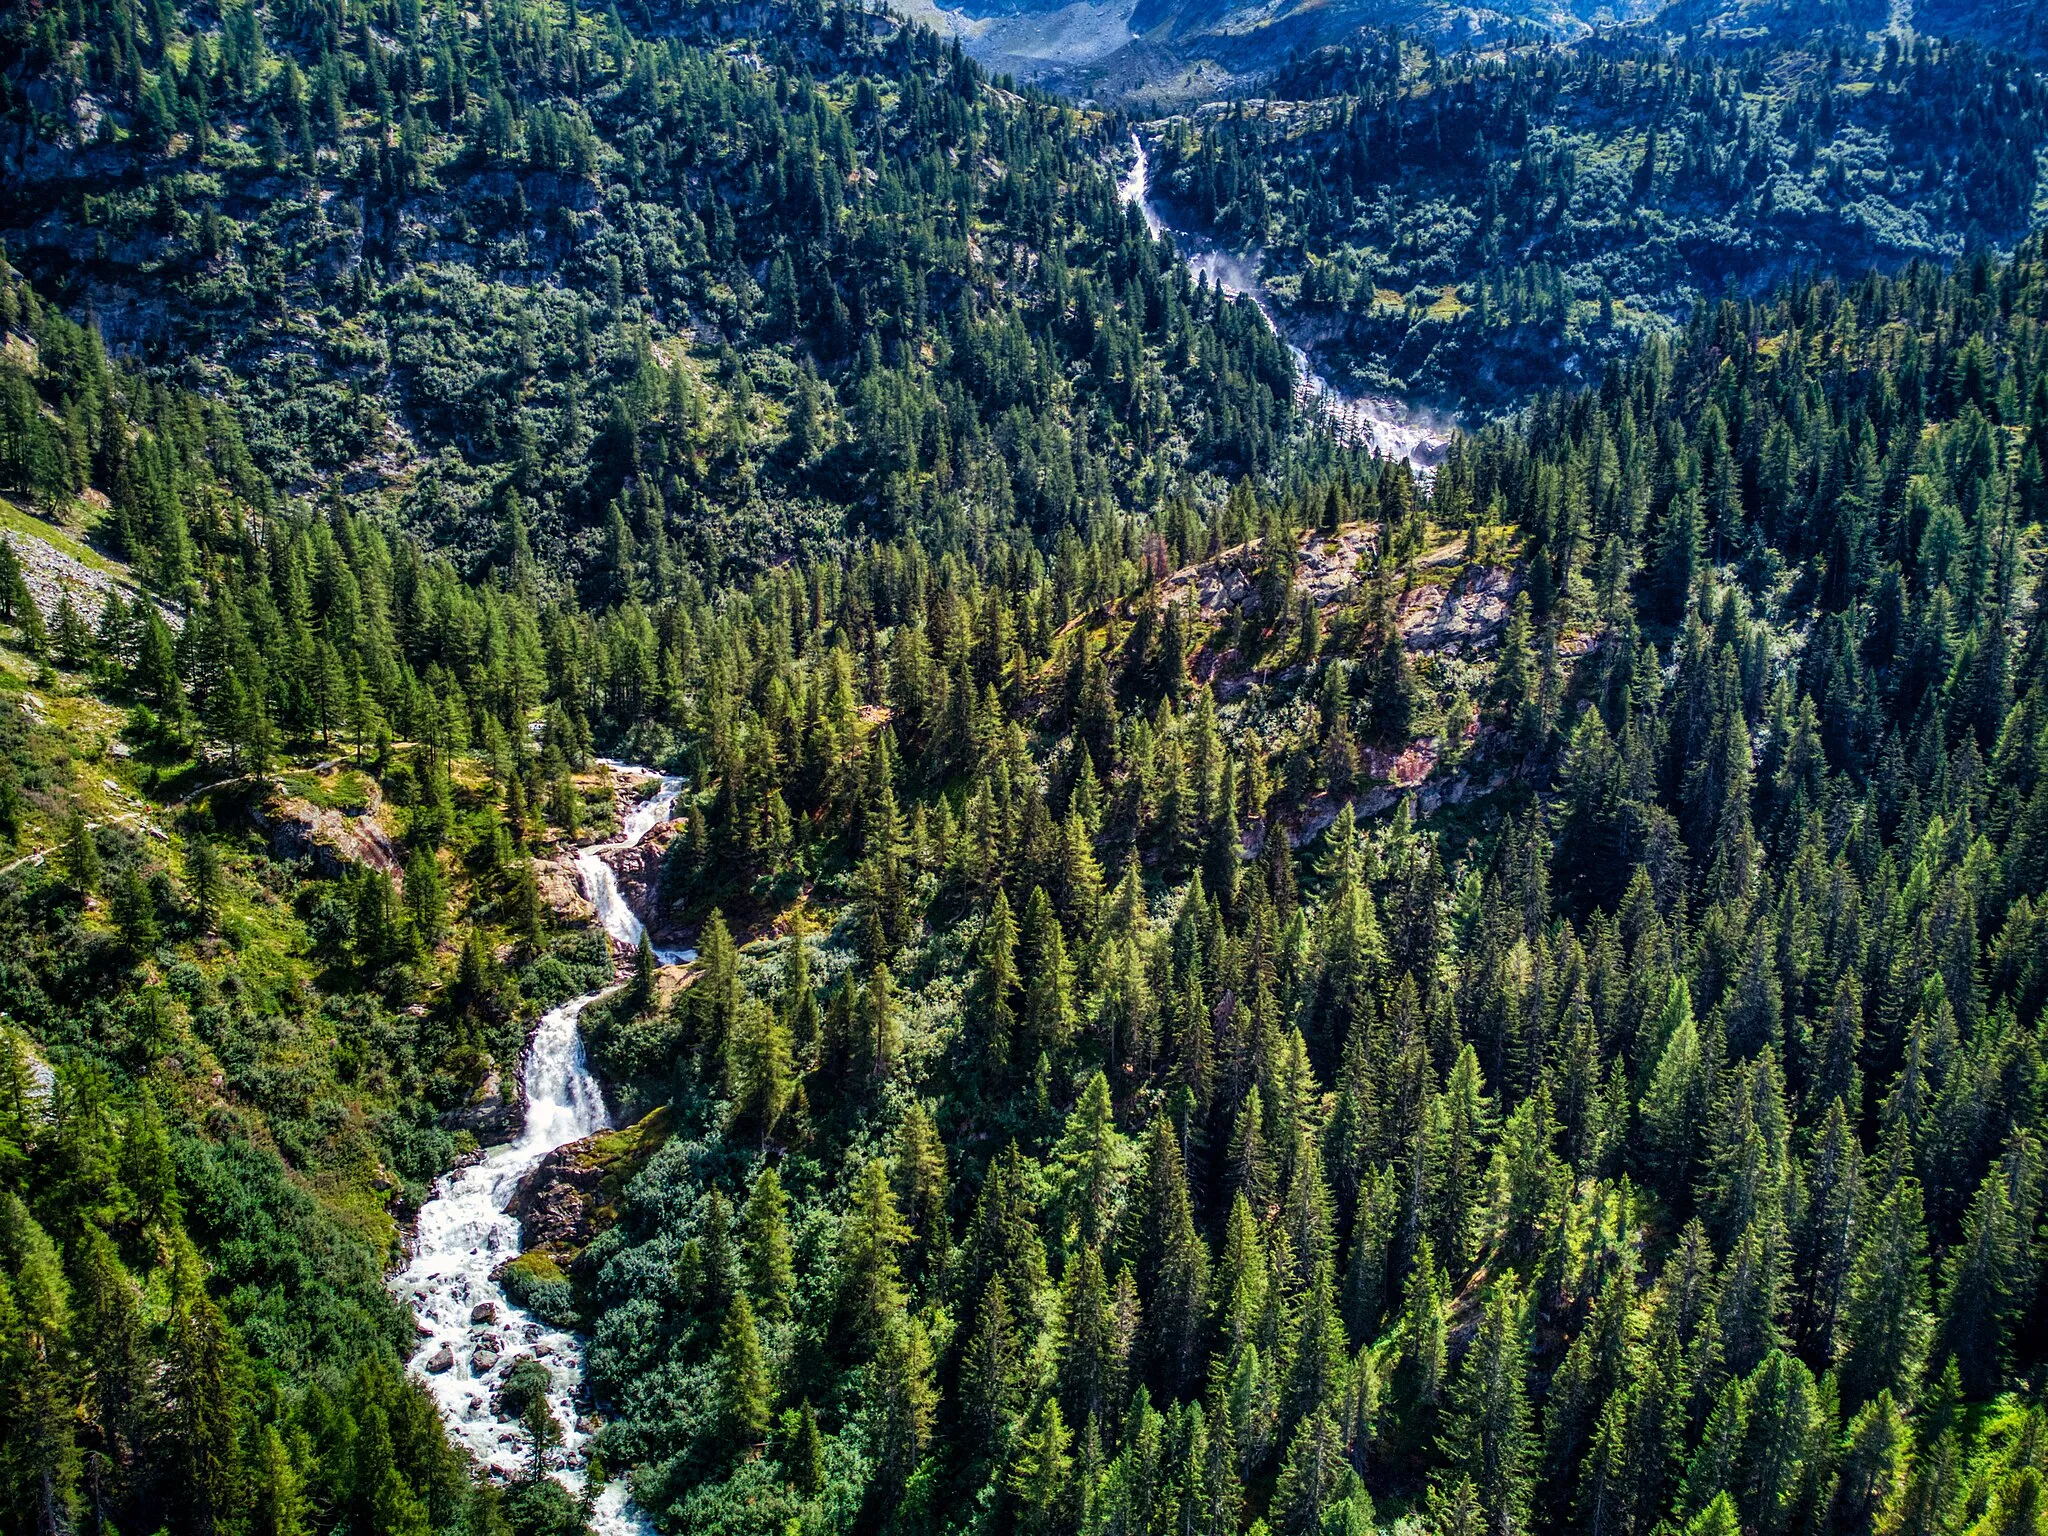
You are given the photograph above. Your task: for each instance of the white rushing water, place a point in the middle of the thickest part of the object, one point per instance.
(1380, 422)
(602, 886)
(472, 1333)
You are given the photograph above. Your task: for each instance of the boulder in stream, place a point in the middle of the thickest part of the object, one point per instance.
(569, 1197)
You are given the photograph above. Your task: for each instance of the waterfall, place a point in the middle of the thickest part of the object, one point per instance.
(601, 885)
(470, 1331)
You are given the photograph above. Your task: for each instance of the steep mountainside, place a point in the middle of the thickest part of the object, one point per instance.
(1466, 225)
(1220, 986)
(1171, 52)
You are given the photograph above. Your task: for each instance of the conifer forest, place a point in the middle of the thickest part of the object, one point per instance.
(741, 793)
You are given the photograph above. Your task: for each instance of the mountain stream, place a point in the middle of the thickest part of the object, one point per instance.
(471, 1333)
(1380, 422)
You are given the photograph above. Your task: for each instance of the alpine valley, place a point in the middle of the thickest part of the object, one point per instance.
(1138, 768)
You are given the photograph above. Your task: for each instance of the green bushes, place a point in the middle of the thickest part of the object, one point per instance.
(536, 1282)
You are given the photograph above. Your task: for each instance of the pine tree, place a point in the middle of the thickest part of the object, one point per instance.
(1836, 1075)
(881, 1030)
(1367, 1263)
(1514, 674)
(1425, 1344)
(1983, 1292)
(1321, 1351)
(1488, 1432)
(1718, 1518)
(1174, 1267)
(1463, 1122)
(765, 1240)
(1093, 1350)
(1049, 1020)
(133, 909)
(521, 906)
(81, 855)
(543, 1433)
(203, 878)
(206, 1378)
(718, 1272)
(1786, 1430)
(1041, 1471)
(278, 1502)
(1453, 1509)
(919, 1180)
(991, 1370)
(1870, 1482)
(1885, 1320)
(901, 1387)
(1225, 847)
(714, 1000)
(35, 1342)
(1750, 1301)
(426, 898)
(1674, 1111)
(744, 1389)
(760, 1067)
(1314, 1479)
(806, 1459)
(1826, 1241)
(871, 1237)
(639, 994)
(148, 1170)
(1092, 1162)
(1396, 696)
(1248, 1167)
(998, 983)
(1680, 546)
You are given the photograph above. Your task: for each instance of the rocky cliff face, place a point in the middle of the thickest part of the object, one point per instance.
(639, 874)
(333, 842)
(556, 1203)
(1467, 614)
(561, 888)
(51, 574)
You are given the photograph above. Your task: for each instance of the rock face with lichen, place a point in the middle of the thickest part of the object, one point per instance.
(561, 889)
(570, 1195)
(555, 1203)
(333, 843)
(1326, 572)
(1465, 615)
(490, 1116)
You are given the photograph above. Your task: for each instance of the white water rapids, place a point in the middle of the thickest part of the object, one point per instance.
(472, 1333)
(1380, 422)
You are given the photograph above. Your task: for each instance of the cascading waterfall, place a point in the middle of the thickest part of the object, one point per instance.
(1379, 422)
(471, 1331)
(601, 885)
